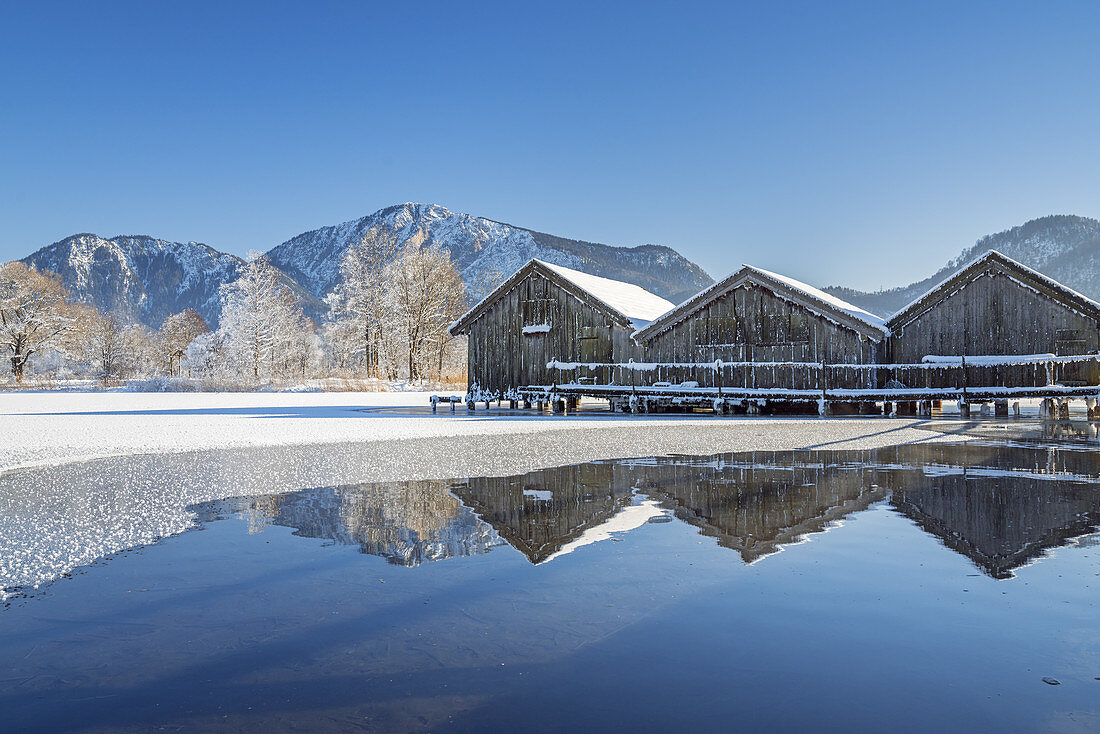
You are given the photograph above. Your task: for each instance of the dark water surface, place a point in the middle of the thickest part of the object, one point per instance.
(917, 588)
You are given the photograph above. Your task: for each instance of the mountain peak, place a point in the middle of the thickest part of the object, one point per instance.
(483, 249)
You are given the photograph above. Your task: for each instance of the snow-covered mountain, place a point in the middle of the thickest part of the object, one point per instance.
(1064, 247)
(480, 247)
(144, 278)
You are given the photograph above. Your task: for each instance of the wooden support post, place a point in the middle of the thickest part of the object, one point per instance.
(963, 402)
(1000, 407)
(888, 407)
(964, 409)
(823, 406)
(1063, 409)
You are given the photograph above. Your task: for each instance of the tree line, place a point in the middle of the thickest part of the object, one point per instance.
(387, 318)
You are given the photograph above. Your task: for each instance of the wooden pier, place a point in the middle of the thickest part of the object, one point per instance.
(837, 389)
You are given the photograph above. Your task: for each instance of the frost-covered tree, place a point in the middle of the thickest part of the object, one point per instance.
(205, 355)
(263, 329)
(141, 351)
(35, 313)
(106, 345)
(176, 334)
(358, 304)
(426, 295)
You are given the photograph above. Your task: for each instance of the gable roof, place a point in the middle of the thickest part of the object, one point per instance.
(813, 299)
(994, 261)
(629, 304)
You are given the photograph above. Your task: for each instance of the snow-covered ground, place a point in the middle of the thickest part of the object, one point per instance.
(44, 428)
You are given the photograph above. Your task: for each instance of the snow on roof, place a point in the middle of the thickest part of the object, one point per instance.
(632, 301)
(997, 255)
(839, 304)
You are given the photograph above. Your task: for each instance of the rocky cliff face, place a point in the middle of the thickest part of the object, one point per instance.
(143, 278)
(146, 279)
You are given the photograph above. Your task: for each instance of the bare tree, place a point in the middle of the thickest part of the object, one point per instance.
(34, 312)
(262, 324)
(141, 347)
(176, 334)
(106, 345)
(358, 303)
(426, 294)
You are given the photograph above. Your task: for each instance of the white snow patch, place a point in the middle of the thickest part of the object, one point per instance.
(537, 329)
(986, 359)
(632, 301)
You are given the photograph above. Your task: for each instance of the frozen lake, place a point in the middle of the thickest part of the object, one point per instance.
(919, 587)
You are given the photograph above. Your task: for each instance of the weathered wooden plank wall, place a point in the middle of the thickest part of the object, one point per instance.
(997, 315)
(753, 324)
(994, 314)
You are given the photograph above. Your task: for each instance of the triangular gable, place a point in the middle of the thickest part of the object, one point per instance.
(996, 262)
(814, 300)
(635, 301)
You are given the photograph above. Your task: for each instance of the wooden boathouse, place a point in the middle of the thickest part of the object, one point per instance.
(756, 316)
(1004, 323)
(759, 341)
(547, 312)
(754, 340)
(995, 306)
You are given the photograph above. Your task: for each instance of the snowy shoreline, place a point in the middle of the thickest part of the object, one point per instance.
(47, 429)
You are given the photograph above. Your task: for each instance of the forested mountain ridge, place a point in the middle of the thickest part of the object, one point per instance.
(1063, 247)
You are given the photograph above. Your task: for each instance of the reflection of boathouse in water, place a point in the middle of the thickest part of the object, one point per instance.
(756, 503)
(1001, 506)
(542, 512)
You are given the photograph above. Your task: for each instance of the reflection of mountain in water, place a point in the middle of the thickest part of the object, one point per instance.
(407, 523)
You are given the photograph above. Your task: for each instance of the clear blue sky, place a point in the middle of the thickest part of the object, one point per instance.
(861, 144)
